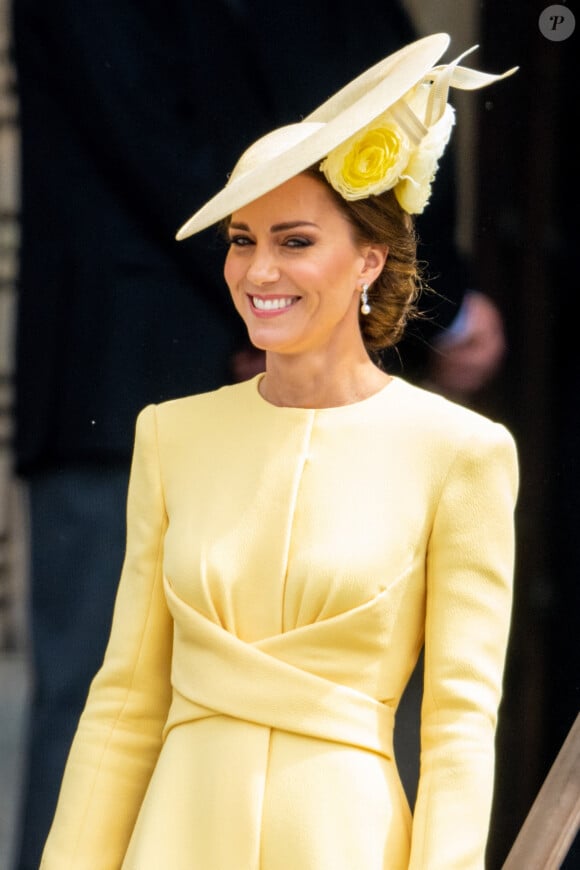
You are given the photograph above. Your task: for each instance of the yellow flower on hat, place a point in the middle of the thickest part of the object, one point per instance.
(369, 162)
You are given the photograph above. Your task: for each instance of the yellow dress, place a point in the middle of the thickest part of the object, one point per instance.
(284, 567)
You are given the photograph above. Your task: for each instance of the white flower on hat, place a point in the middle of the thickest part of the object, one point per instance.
(413, 190)
(369, 162)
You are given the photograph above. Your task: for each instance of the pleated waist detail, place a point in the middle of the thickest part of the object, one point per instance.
(274, 682)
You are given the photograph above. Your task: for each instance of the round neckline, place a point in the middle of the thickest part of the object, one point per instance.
(332, 409)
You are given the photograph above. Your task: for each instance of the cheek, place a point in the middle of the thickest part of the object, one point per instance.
(233, 275)
(236, 265)
(230, 272)
(343, 273)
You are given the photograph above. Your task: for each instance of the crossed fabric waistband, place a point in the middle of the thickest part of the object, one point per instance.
(216, 673)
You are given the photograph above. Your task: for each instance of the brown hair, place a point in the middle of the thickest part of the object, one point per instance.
(393, 296)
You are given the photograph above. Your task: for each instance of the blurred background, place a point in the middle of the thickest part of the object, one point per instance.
(516, 197)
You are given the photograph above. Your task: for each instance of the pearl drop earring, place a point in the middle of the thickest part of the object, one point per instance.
(365, 308)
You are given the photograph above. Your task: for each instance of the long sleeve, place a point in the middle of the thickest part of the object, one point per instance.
(119, 733)
(469, 592)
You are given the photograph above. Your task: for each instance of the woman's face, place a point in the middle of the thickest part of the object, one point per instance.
(294, 271)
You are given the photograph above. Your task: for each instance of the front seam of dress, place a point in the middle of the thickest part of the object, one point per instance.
(266, 774)
(298, 474)
(301, 463)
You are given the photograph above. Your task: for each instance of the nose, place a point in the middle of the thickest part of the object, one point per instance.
(263, 267)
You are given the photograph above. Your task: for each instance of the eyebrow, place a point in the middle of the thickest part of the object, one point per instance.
(276, 228)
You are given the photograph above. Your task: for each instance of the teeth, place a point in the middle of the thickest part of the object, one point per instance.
(273, 304)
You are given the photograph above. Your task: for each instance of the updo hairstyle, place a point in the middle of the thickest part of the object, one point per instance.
(393, 295)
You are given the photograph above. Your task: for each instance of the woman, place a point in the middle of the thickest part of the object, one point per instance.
(294, 540)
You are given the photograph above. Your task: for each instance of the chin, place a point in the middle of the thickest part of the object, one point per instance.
(264, 339)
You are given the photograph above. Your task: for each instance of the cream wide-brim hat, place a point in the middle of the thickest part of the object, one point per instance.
(288, 151)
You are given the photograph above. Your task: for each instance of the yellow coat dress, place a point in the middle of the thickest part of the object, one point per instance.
(284, 568)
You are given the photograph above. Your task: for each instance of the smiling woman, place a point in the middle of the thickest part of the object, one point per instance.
(295, 540)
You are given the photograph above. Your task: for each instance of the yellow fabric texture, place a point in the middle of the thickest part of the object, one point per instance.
(284, 568)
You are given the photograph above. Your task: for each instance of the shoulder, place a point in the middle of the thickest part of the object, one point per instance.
(440, 417)
(449, 435)
(186, 415)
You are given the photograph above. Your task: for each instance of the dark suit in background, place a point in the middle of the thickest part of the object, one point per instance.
(131, 111)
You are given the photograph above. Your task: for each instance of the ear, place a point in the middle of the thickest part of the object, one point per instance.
(375, 257)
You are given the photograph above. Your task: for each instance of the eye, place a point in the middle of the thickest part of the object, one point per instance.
(240, 241)
(297, 242)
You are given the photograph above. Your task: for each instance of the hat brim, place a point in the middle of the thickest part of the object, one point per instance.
(337, 119)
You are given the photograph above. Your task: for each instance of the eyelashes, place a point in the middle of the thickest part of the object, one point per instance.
(240, 241)
(298, 242)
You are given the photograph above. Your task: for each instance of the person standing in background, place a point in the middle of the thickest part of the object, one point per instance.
(128, 112)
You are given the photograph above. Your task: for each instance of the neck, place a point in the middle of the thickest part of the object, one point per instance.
(299, 382)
